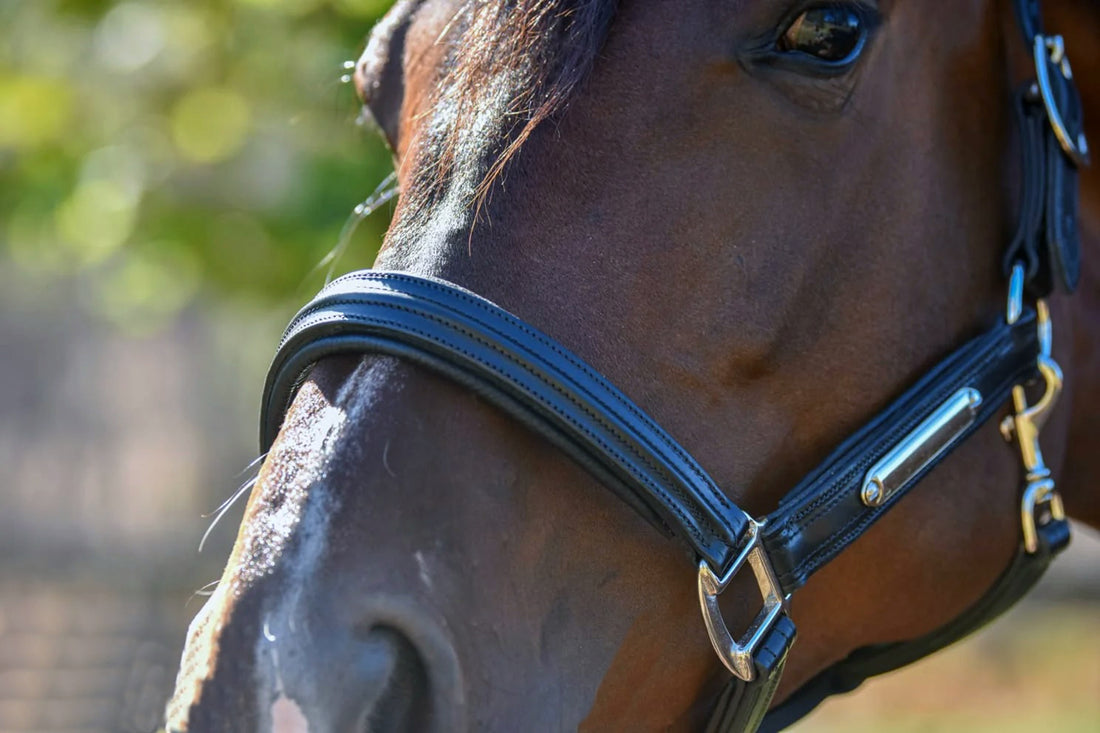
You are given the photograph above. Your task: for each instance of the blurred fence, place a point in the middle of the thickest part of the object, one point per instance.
(113, 448)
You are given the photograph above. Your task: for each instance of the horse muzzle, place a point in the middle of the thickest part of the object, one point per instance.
(393, 670)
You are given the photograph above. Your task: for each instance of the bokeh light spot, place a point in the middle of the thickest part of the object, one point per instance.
(146, 287)
(210, 125)
(129, 36)
(96, 220)
(33, 110)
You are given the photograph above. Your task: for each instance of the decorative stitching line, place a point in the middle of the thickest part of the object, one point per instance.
(316, 319)
(382, 280)
(795, 524)
(812, 562)
(450, 290)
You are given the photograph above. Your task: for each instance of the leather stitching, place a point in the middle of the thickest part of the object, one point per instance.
(794, 523)
(671, 505)
(858, 524)
(543, 339)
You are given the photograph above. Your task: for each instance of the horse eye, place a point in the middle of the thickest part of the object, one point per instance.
(831, 33)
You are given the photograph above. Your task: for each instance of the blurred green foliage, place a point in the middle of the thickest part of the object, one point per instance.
(162, 152)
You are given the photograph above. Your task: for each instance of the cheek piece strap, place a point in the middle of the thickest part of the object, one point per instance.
(539, 382)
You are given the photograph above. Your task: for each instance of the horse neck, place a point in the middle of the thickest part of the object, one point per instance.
(1079, 429)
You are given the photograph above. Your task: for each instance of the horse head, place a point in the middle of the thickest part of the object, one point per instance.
(762, 221)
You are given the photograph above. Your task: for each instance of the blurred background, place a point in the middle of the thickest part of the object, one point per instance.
(174, 177)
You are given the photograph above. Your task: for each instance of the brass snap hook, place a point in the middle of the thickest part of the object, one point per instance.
(1025, 425)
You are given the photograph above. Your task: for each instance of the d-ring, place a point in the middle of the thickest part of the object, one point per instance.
(1050, 52)
(737, 654)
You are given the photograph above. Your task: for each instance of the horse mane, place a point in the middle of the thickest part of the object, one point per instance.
(535, 51)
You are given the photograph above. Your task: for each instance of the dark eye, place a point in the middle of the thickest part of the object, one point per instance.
(831, 33)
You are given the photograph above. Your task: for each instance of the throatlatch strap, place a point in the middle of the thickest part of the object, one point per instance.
(1046, 240)
(1031, 123)
(1050, 122)
(1029, 19)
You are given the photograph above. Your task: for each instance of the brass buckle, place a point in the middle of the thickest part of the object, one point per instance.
(1050, 53)
(736, 654)
(1024, 426)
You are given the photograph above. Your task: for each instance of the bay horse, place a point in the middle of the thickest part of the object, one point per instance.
(763, 220)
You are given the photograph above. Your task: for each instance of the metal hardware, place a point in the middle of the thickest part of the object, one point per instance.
(1037, 494)
(1025, 426)
(1015, 294)
(1051, 51)
(736, 654)
(920, 447)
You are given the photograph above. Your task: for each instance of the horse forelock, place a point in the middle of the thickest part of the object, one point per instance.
(511, 65)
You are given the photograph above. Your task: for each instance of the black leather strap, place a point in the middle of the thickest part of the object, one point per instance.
(1026, 244)
(467, 338)
(1046, 239)
(1029, 19)
(825, 513)
(1014, 583)
(743, 705)
(1063, 246)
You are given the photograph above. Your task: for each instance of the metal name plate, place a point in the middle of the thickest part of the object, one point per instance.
(920, 447)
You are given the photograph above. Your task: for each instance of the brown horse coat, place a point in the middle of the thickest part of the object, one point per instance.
(758, 256)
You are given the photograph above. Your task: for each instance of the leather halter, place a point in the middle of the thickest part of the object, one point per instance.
(470, 340)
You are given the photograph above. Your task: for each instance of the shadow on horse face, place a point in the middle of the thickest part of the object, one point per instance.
(759, 254)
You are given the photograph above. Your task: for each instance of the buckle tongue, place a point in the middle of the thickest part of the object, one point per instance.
(737, 654)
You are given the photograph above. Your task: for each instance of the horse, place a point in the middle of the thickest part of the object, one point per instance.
(761, 220)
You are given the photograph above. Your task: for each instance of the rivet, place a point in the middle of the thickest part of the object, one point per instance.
(872, 492)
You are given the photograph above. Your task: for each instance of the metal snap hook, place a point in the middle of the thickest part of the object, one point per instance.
(1025, 425)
